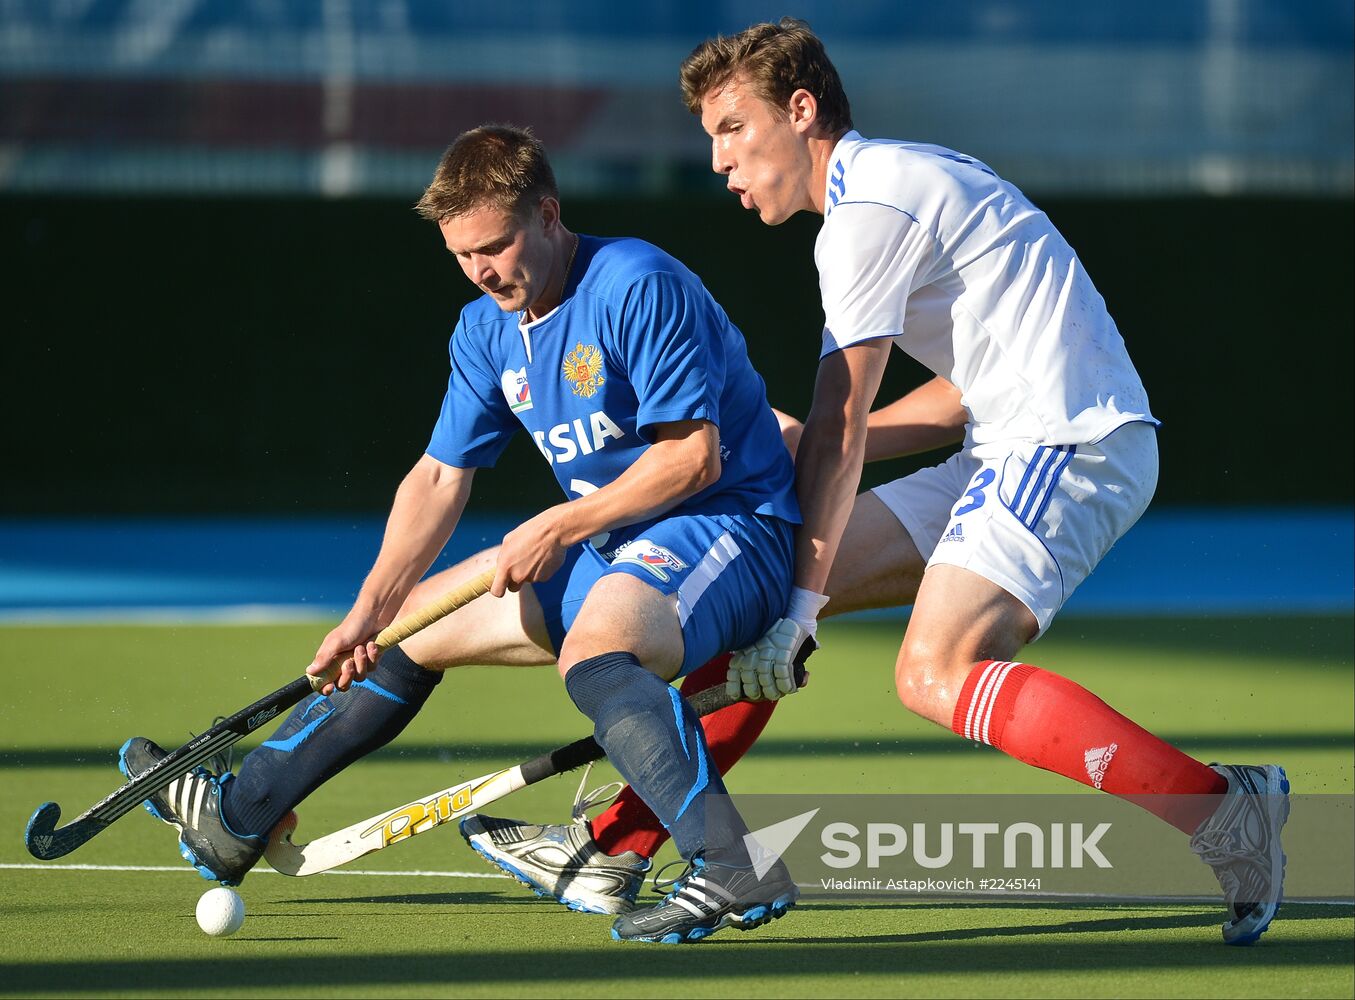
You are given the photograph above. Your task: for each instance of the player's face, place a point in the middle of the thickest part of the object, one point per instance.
(505, 255)
(761, 150)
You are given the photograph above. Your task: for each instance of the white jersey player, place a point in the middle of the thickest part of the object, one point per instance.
(932, 250)
(928, 249)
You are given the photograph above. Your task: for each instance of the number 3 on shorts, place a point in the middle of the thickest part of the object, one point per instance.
(975, 493)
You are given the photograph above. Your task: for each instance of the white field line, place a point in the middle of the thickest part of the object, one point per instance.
(1017, 897)
(267, 871)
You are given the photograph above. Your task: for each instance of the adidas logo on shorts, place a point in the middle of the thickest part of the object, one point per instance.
(955, 534)
(1098, 762)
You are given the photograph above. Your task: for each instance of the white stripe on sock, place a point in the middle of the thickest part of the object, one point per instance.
(997, 686)
(976, 699)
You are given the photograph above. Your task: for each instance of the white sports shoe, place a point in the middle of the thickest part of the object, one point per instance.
(561, 860)
(1241, 842)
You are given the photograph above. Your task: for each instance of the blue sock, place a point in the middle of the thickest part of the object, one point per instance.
(321, 737)
(652, 736)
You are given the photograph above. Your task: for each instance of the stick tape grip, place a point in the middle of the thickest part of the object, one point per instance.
(402, 628)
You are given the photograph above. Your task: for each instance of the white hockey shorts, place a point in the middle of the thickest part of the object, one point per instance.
(1033, 519)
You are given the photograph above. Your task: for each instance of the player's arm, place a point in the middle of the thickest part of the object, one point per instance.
(425, 511)
(827, 473)
(683, 460)
(832, 450)
(870, 256)
(928, 417)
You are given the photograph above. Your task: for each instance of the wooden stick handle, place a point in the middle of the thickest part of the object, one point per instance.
(402, 628)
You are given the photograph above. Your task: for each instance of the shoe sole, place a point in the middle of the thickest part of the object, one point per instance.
(754, 917)
(1257, 922)
(576, 904)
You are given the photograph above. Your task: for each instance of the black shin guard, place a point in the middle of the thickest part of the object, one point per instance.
(653, 738)
(321, 737)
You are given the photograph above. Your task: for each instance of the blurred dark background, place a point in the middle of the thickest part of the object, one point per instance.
(217, 298)
(249, 355)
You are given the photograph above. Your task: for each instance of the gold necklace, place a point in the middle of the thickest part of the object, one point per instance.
(569, 266)
(526, 314)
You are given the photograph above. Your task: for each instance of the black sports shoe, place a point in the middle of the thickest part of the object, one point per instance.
(192, 805)
(707, 897)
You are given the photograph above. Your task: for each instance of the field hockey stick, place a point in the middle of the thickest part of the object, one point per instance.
(431, 811)
(46, 843)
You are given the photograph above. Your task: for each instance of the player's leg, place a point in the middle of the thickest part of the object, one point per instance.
(504, 631)
(617, 660)
(1028, 528)
(224, 819)
(630, 825)
(957, 667)
(694, 585)
(690, 587)
(564, 860)
(994, 582)
(878, 566)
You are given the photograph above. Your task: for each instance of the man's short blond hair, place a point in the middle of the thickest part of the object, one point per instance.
(777, 60)
(498, 166)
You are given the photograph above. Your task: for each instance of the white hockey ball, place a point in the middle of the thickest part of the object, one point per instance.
(221, 912)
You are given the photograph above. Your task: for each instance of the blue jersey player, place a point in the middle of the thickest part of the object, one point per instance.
(674, 543)
(633, 368)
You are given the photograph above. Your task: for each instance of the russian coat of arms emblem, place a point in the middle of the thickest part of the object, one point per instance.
(583, 370)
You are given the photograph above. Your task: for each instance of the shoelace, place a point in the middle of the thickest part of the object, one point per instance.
(597, 797)
(668, 888)
(1214, 846)
(221, 762)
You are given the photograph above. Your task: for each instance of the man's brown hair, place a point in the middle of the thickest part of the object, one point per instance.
(777, 60)
(500, 166)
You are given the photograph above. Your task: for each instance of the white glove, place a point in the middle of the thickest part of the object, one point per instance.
(766, 669)
(770, 667)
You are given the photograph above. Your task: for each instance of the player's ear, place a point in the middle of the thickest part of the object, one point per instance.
(803, 108)
(549, 213)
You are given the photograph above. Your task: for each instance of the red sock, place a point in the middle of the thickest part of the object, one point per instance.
(1048, 721)
(628, 824)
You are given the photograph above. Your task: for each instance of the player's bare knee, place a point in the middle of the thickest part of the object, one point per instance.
(623, 612)
(910, 681)
(585, 640)
(586, 646)
(928, 681)
(570, 654)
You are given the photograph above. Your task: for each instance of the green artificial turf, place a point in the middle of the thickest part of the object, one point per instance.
(1235, 689)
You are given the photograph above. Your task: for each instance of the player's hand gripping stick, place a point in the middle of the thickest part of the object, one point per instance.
(46, 842)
